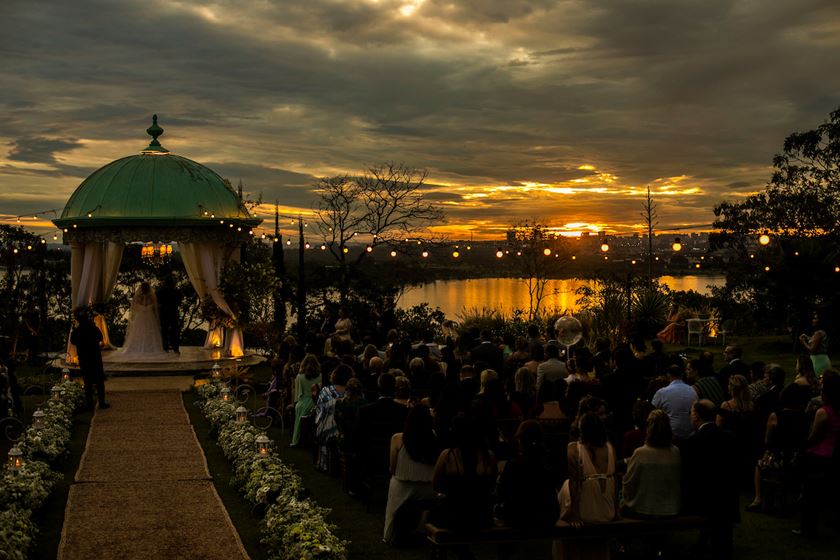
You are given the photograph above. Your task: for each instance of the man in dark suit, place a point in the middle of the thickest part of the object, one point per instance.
(87, 338)
(710, 485)
(487, 355)
(169, 302)
(375, 424)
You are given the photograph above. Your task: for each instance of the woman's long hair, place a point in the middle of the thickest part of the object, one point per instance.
(739, 388)
(419, 436)
(310, 367)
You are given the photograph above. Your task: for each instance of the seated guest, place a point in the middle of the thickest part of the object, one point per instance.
(470, 383)
(652, 482)
(758, 380)
(589, 494)
(413, 454)
(635, 438)
(673, 331)
(552, 368)
(547, 406)
(466, 475)
(526, 495)
(524, 394)
(402, 390)
(537, 357)
(676, 400)
(805, 385)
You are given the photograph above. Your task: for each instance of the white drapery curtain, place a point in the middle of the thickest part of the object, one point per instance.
(204, 263)
(93, 274)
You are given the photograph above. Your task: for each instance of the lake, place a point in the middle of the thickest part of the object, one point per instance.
(507, 294)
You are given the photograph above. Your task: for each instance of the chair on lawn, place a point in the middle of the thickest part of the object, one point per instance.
(696, 327)
(726, 328)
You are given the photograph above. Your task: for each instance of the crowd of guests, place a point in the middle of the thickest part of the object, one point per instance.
(483, 427)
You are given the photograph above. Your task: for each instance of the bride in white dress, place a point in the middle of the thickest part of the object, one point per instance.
(143, 337)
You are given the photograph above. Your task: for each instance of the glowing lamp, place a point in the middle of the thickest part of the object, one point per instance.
(752, 256)
(837, 269)
(425, 254)
(796, 254)
(605, 247)
(633, 261)
(766, 269)
(469, 247)
(697, 265)
(225, 392)
(323, 247)
(38, 419)
(262, 445)
(15, 459)
(764, 239)
(393, 253)
(519, 253)
(455, 254)
(677, 246)
(241, 415)
(55, 393)
(306, 245)
(217, 371)
(574, 257)
(369, 249)
(547, 252)
(65, 374)
(288, 242)
(499, 254)
(345, 250)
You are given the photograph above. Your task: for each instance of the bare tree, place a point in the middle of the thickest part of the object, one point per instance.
(386, 203)
(540, 256)
(649, 216)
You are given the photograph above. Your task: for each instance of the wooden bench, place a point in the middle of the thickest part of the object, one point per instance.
(440, 539)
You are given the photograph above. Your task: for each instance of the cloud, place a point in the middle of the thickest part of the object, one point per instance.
(482, 93)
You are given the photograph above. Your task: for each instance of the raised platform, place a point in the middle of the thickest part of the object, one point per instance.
(192, 359)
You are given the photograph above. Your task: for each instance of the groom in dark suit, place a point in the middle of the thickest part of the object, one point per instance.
(169, 302)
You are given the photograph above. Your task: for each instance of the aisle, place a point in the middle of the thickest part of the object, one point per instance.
(143, 489)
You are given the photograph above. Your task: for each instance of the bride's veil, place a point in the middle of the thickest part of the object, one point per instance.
(143, 296)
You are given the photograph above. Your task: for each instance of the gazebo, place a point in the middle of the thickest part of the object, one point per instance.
(156, 197)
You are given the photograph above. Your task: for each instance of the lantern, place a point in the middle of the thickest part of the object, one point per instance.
(15, 459)
(65, 374)
(262, 445)
(38, 419)
(241, 415)
(677, 246)
(225, 392)
(55, 393)
(217, 371)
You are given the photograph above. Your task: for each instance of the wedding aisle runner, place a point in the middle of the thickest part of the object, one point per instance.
(143, 490)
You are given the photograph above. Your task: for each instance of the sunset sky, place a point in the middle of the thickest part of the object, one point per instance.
(558, 110)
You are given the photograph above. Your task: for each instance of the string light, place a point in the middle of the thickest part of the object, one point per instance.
(345, 250)
(369, 249)
(766, 269)
(323, 247)
(499, 254)
(605, 247)
(306, 245)
(764, 239)
(677, 246)
(425, 254)
(546, 251)
(393, 253)
(455, 254)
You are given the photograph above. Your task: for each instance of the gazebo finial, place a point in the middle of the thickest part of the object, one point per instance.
(154, 131)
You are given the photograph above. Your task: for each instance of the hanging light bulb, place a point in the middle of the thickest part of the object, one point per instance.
(605, 247)
(306, 245)
(425, 254)
(288, 242)
(369, 249)
(677, 246)
(499, 254)
(393, 253)
(764, 239)
(547, 251)
(345, 250)
(323, 247)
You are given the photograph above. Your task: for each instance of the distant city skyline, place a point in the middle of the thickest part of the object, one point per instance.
(564, 112)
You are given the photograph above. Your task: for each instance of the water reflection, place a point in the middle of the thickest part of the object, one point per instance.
(508, 294)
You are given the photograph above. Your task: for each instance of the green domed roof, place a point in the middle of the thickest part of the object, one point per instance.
(152, 188)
